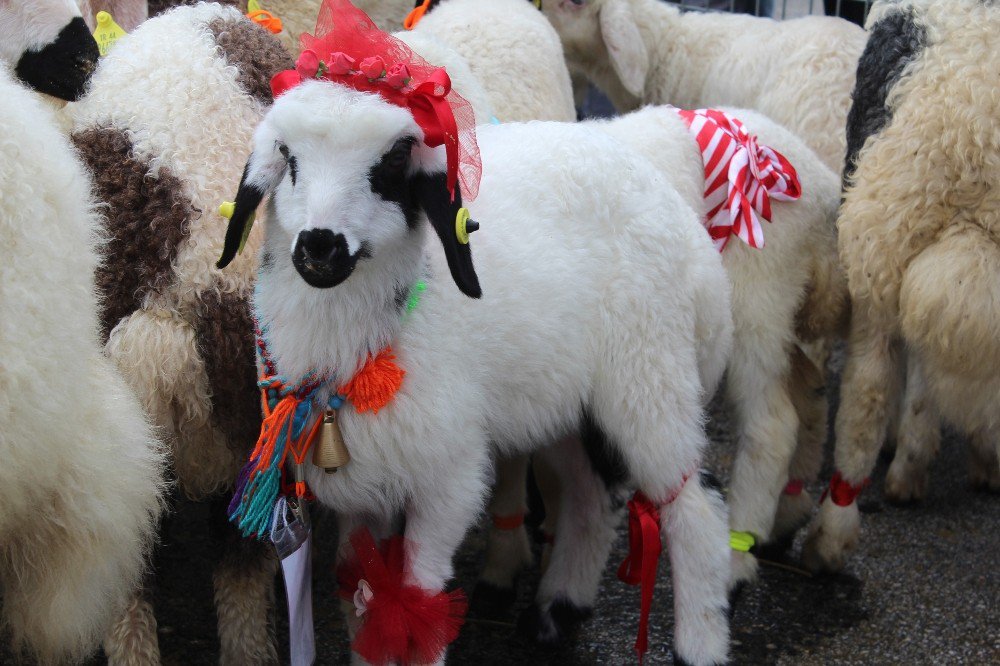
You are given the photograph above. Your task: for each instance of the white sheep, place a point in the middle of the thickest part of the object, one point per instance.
(789, 292)
(82, 470)
(165, 137)
(918, 233)
(568, 324)
(45, 44)
(798, 72)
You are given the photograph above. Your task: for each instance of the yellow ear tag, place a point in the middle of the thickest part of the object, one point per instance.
(107, 32)
(253, 6)
(461, 226)
(226, 210)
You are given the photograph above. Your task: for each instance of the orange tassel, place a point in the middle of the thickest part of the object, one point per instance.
(375, 384)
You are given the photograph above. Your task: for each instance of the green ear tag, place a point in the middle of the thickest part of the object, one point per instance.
(741, 541)
(246, 232)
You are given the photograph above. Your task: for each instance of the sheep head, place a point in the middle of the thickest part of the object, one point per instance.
(48, 45)
(351, 180)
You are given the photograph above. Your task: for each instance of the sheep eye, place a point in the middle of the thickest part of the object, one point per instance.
(398, 156)
(293, 165)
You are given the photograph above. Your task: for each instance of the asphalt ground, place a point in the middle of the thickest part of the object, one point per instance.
(922, 588)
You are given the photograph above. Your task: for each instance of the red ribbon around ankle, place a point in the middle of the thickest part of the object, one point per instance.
(794, 487)
(644, 547)
(841, 492)
(508, 523)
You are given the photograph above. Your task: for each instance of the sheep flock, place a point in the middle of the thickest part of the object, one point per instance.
(308, 266)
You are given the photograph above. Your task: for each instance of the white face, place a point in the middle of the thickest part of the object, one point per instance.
(351, 182)
(344, 177)
(576, 21)
(31, 24)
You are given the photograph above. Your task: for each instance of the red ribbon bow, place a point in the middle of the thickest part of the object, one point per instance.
(741, 176)
(345, 35)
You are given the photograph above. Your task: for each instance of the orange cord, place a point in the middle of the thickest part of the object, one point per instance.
(267, 20)
(417, 13)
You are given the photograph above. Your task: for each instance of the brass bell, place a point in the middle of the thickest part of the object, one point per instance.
(329, 451)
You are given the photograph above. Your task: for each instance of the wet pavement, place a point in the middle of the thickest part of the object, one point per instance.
(923, 588)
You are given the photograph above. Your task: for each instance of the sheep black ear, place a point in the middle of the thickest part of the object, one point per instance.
(248, 198)
(262, 173)
(451, 226)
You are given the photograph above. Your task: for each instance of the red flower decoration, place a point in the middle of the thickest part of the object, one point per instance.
(340, 63)
(398, 75)
(307, 65)
(373, 67)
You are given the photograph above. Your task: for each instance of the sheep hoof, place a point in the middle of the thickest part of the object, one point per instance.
(833, 534)
(551, 627)
(743, 569)
(905, 485)
(489, 600)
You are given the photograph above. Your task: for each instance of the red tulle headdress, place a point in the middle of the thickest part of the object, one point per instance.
(349, 49)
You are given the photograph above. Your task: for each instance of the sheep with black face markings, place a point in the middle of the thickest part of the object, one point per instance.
(564, 288)
(164, 138)
(46, 44)
(919, 233)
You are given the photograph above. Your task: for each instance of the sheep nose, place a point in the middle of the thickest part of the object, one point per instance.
(322, 246)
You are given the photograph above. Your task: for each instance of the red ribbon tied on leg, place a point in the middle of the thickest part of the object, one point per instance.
(841, 492)
(639, 568)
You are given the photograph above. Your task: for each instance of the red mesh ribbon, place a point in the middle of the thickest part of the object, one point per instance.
(400, 623)
(841, 492)
(349, 49)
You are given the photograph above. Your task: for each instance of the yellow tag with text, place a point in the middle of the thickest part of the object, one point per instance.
(107, 33)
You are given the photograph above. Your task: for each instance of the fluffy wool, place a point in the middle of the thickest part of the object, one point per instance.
(564, 322)
(514, 53)
(797, 72)
(82, 470)
(788, 293)
(920, 238)
(165, 138)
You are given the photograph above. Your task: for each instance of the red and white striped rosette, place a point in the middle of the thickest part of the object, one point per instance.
(741, 176)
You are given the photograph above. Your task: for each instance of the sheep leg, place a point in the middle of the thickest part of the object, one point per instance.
(757, 385)
(919, 439)
(870, 378)
(984, 460)
(585, 535)
(244, 598)
(661, 442)
(550, 489)
(508, 550)
(807, 389)
(132, 640)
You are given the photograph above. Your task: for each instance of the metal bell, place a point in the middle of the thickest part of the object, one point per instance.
(329, 451)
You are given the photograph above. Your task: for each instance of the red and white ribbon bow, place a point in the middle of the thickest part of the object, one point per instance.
(741, 176)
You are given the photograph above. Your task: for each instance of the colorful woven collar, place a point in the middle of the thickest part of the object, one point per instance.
(292, 417)
(741, 176)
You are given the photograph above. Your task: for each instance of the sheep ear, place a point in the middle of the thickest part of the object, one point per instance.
(623, 40)
(448, 219)
(260, 177)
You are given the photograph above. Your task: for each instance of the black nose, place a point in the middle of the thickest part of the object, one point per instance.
(322, 246)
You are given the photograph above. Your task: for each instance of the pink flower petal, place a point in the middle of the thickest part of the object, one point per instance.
(307, 65)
